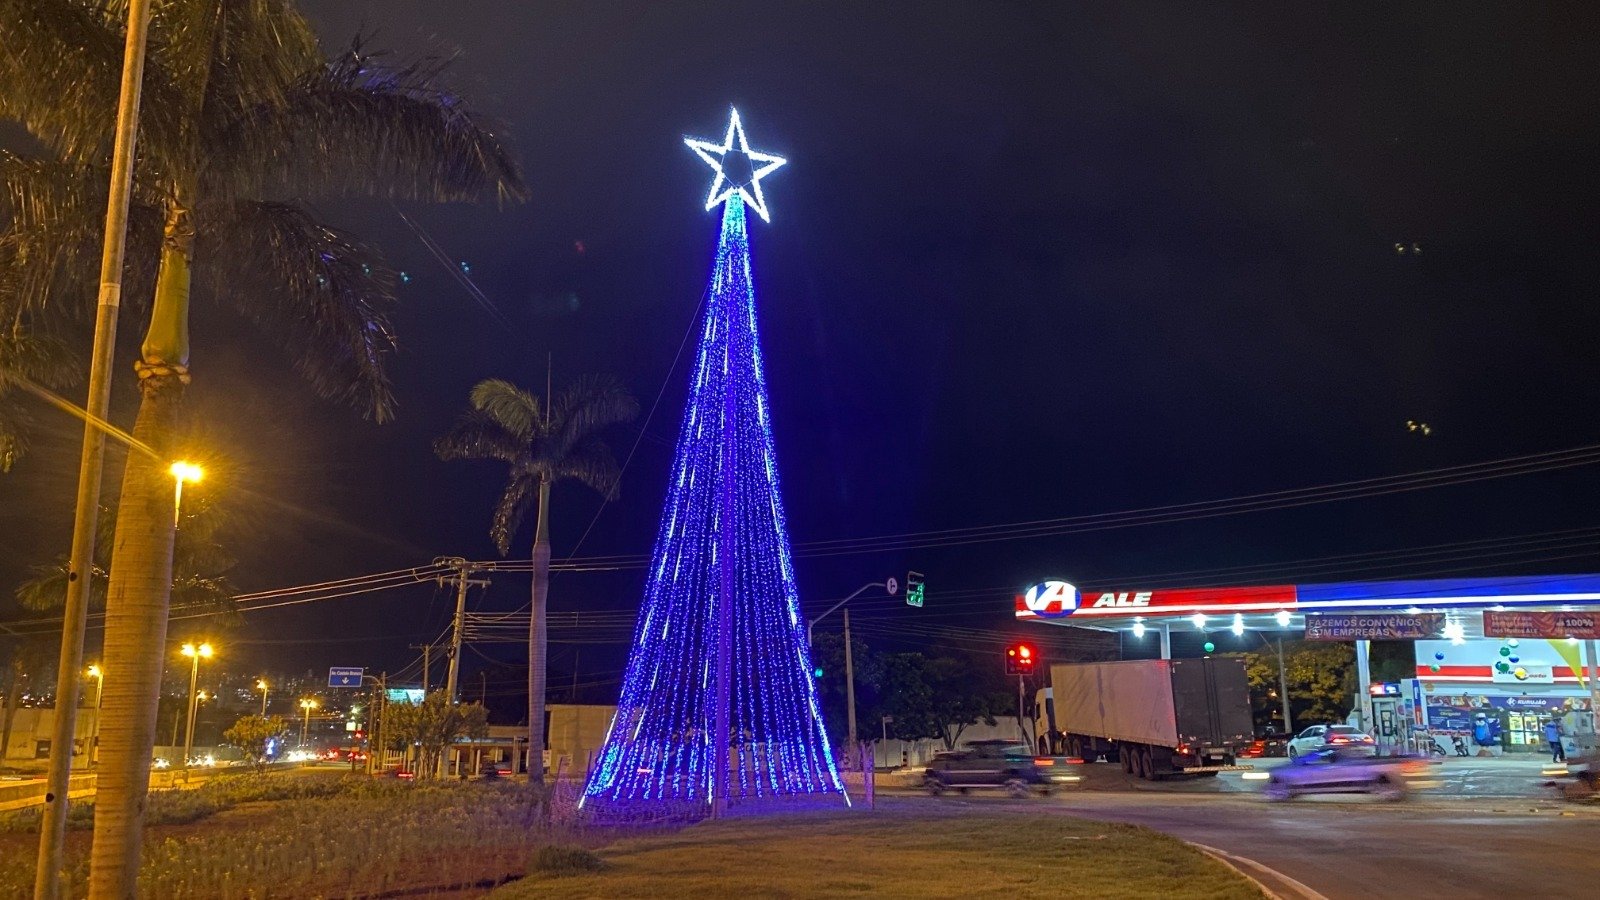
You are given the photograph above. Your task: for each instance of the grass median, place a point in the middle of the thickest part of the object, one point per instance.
(907, 848)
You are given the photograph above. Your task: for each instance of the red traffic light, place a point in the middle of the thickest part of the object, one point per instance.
(1019, 659)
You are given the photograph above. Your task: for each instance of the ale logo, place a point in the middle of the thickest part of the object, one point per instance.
(1051, 598)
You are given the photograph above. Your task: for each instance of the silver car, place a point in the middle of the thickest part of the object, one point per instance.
(1346, 770)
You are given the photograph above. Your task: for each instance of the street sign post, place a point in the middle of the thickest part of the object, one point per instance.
(914, 589)
(345, 676)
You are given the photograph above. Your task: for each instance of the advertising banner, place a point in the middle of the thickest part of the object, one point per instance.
(1370, 627)
(1581, 625)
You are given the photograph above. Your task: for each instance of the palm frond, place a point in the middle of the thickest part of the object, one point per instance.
(586, 406)
(593, 464)
(477, 435)
(247, 54)
(46, 587)
(50, 248)
(61, 71)
(512, 509)
(514, 408)
(325, 294)
(355, 126)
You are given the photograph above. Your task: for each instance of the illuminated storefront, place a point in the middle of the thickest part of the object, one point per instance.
(1496, 658)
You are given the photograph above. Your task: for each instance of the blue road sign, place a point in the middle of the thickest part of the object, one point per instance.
(345, 676)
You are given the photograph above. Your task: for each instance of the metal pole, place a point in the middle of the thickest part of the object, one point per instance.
(1364, 683)
(725, 543)
(1022, 734)
(1594, 684)
(1283, 690)
(263, 699)
(455, 633)
(829, 611)
(849, 682)
(1166, 642)
(188, 730)
(53, 829)
(305, 723)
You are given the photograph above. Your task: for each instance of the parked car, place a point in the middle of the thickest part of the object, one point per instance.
(1345, 770)
(986, 764)
(1270, 743)
(1344, 736)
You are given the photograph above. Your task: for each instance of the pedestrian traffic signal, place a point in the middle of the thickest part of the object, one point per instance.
(1020, 659)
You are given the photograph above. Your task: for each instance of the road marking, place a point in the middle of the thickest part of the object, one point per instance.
(1240, 863)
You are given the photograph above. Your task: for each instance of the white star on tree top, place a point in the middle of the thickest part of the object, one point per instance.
(748, 167)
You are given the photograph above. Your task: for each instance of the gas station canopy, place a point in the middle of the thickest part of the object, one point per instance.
(1278, 607)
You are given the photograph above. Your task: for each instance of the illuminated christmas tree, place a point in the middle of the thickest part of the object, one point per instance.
(718, 702)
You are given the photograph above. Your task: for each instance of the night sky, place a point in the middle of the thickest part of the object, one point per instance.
(1027, 260)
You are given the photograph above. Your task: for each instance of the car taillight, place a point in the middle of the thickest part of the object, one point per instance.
(1340, 740)
(1043, 761)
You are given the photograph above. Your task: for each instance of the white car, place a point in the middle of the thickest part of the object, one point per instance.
(1344, 737)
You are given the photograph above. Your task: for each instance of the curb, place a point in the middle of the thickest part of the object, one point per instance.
(1291, 889)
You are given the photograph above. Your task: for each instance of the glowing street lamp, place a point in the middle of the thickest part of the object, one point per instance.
(181, 471)
(261, 685)
(308, 705)
(195, 654)
(99, 676)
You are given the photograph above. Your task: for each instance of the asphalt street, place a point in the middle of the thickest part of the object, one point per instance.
(1489, 829)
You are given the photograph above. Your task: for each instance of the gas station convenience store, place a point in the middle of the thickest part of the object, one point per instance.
(1495, 658)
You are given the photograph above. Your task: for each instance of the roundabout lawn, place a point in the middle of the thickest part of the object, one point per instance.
(904, 848)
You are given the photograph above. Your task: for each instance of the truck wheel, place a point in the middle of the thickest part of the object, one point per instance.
(1127, 759)
(1147, 769)
(1017, 788)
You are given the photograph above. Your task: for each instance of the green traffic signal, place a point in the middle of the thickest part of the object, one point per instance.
(817, 672)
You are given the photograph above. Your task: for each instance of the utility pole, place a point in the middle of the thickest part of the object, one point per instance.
(464, 580)
(427, 663)
(849, 684)
(53, 827)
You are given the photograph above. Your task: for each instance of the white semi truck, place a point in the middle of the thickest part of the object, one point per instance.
(1158, 717)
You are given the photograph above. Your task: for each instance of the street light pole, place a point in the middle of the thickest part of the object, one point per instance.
(261, 685)
(1283, 690)
(91, 463)
(849, 660)
(194, 653)
(308, 705)
(99, 676)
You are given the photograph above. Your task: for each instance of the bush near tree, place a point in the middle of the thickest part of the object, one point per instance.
(253, 734)
(432, 725)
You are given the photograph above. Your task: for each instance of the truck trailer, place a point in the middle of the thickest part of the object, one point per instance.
(1158, 717)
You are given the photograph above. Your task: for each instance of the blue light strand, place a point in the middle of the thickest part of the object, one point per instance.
(660, 746)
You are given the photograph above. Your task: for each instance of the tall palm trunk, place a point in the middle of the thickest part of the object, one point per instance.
(141, 580)
(538, 640)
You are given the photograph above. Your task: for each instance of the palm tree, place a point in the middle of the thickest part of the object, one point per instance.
(200, 584)
(242, 116)
(540, 444)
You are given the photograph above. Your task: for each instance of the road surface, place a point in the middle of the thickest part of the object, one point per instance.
(1350, 847)
(1489, 829)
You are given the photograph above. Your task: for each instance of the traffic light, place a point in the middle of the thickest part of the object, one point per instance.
(1020, 659)
(914, 589)
(817, 672)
